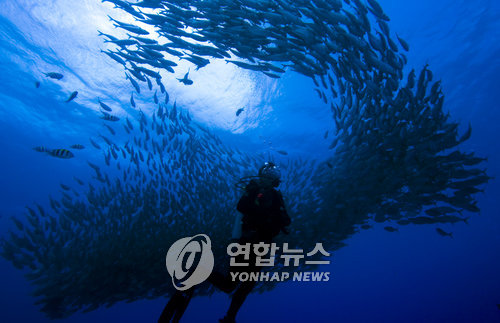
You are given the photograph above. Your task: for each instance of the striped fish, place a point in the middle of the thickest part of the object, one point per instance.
(77, 146)
(109, 117)
(61, 153)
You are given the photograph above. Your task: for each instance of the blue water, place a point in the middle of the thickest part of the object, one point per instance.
(413, 275)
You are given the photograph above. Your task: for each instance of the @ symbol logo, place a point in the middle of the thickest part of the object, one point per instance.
(190, 261)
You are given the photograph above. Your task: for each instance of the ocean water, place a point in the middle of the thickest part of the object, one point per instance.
(412, 275)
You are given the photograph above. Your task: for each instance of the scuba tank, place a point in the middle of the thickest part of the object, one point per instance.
(236, 234)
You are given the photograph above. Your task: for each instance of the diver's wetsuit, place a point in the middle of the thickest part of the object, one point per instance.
(264, 216)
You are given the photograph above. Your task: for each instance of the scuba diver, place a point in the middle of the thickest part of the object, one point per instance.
(264, 217)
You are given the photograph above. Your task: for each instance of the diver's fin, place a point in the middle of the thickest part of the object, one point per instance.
(225, 319)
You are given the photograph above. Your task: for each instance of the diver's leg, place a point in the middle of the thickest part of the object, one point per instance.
(238, 298)
(183, 305)
(170, 308)
(243, 290)
(177, 303)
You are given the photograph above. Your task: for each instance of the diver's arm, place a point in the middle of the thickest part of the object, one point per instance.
(246, 201)
(285, 219)
(286, 222)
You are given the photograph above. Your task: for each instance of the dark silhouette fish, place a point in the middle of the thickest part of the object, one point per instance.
(282, 152)
(186, 80)
(79, 181)
(197, 60)
(444, 233)
(390, 229)
(37, 84)
(111, 130)
(440, 210)
(160, 84)
(134, 83)
(129, 27)
(129, 124)
(366, 226)
(94, 144)
(77, 146)
(239, 111)
(106, 140)
(167, 97)
(72, 96)
(104, 106)
(56, 76)
(114, 57)
(403, 43)
(466, 135)
(132, 102)
(272, 75)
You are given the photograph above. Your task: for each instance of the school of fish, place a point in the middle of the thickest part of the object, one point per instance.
(394, 152)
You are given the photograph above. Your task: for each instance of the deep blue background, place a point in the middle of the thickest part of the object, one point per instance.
(413, 275)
